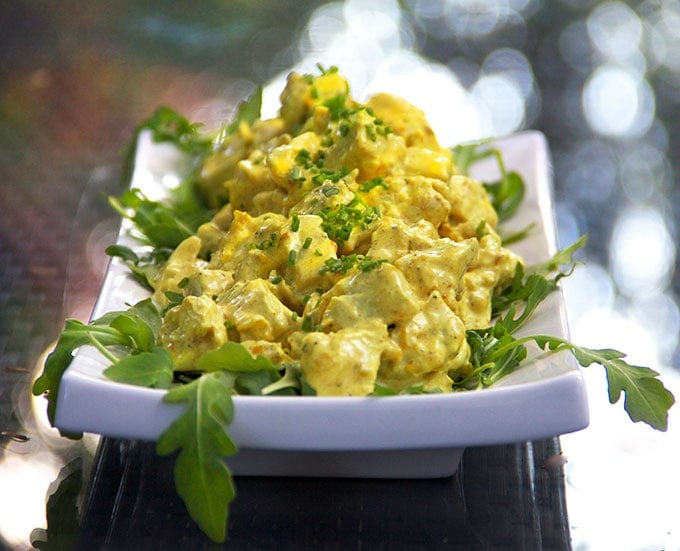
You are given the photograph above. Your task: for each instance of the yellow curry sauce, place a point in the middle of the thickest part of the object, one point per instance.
(349, 244)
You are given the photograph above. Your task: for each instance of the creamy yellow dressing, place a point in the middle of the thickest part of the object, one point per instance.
(349, 245)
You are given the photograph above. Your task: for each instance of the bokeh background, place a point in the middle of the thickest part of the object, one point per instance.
(600, 79)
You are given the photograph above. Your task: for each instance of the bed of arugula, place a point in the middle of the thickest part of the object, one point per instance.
(200, 436)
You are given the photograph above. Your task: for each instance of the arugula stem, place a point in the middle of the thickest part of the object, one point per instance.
(556, 344)
(99, 346)
(290, 379)
(119, 208)
(501, 164)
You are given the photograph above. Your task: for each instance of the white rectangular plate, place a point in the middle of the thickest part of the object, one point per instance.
(401, 436)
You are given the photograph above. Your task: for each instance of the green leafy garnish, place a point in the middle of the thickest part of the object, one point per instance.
(646, 398)
(163, 225)
(368, 185)
(166, 125)
(336, 107)
(254, 383)
(291, 380)
(74, 335)
(345, 263)
(326, 71)
(248, 111)
(234, 357)
(531, 285)
(467, 154)
(202, 477)
(323, 175)
(507, 193)
(563, 257)
(116, 335)
(338, 222)
(143, 267)
(496, 352)
(149, 369)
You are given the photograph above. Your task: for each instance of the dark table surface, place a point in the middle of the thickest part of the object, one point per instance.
(601, 80)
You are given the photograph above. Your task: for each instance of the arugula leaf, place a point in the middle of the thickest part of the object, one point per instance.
(146, 313)
(202, 477)
(162, 225)
(232, 356)
(563, 257)
(248, 111)
(507, 193)
(292, 382)
(141, 335)
(496, 352)
(467, 154)
(508, 238)
(530, 286)
(166, 125)
(74, 335)
(143, 268)
(134, 330)
(646, 398)
(528, 293)
(152, 369)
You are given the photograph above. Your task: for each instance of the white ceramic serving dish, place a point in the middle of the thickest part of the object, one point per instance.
(420, 436)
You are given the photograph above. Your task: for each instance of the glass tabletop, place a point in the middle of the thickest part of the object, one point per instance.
(598, 78)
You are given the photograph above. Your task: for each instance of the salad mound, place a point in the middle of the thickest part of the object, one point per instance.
(336, 249)
(348, 244)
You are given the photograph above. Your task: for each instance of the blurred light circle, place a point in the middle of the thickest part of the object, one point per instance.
(615, 29)
(589, 288)
(504, 101)
(434, 88)
(574, 46)
(378, 19)
(468, 18)
(471, 19)
(617, 103)
(427, 9)
(660, 315)
(645, 172)
(465, 69)
(664, 38)
(325, 22)
(525, 6)
(589, 172)
(340, 34)
(514, 65)
(570, 223)
(610, 328)
(576, 4)
(642, 252)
